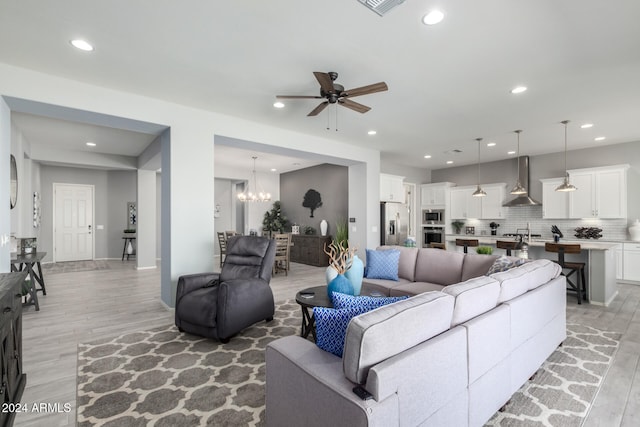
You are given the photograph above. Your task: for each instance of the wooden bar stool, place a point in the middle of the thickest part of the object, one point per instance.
(508, 245)
(438, 245)
(466, 243)
(576, 268)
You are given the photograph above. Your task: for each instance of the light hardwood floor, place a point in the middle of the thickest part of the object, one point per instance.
(89, 305)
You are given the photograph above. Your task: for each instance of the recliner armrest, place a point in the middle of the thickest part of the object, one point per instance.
(242, 302)
(190, 282)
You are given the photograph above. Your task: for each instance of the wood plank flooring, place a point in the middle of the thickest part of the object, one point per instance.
(88, 305)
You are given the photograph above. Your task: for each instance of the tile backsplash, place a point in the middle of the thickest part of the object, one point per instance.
(519, 217)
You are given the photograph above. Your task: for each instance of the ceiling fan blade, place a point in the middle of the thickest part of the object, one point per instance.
(318, 109)
(325, 81)
(365, 90)
(297, 97)
(354, 105)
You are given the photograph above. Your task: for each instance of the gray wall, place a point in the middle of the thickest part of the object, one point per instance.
(331, 181)
(121, 188)
(552, 166)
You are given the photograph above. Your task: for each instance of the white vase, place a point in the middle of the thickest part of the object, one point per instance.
(129, 248)
(634, 231)
(323, 227)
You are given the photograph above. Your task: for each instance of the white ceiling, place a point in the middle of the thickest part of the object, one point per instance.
(448, 84)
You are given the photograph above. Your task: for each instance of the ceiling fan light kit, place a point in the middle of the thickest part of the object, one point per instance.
(566, 186)
(334, 93)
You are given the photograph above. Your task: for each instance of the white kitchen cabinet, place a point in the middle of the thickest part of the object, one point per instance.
(601, 192)
(464, 205)
(391, 188)
(555, 204)
(434, 194)
(631, 262)
(620, 262)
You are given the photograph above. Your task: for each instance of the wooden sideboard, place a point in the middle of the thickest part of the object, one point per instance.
(309, 249)
(13, 379)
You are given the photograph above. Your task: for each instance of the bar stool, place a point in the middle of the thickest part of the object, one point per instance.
(466, 243)
(576, 267)
(438, 245)
(508, 245)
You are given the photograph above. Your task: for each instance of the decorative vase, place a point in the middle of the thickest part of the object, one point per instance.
(129, 248)
(329, 274)
(323, 227)
(634, 231)
(340, 284)
(355, 274)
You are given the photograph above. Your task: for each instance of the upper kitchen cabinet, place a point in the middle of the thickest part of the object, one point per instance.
(555, 204)
(601, 192)
(435, 195)
(464, 205)
(391, 188)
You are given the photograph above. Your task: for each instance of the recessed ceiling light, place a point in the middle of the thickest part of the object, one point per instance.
(82, 45)
(518, 89)
(600, 138)
(372, 132)
(587, 125)
(427, 156)
(433, 17)
(91, 144)
(511, 152)
(273, 169)
(491, 144)
(278, 104)
(449, 162)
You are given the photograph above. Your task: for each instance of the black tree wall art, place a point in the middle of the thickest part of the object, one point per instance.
(312, 200)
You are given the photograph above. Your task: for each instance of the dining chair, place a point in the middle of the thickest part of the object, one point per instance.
(222, 241)
(283, 248)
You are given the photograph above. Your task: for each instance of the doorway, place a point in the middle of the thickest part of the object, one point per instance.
(73, 206)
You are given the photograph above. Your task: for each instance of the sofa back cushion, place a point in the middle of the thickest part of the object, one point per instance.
(407, 262)
(379, 334)
(473, 298)
(530, 275)
(475, 265)
(439, 267)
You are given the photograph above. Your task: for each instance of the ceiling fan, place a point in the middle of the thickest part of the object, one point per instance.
(335, 93)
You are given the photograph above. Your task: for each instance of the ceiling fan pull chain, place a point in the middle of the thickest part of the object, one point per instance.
(336, 107)
(328, 119)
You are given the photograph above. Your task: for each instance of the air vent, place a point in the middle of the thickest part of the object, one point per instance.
(381, 6)
(454, 151)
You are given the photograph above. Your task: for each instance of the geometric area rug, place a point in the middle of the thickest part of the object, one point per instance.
(161, 377)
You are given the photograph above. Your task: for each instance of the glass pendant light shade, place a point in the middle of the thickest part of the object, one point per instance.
(518, 188)
(479, 191)
(566, 185)
(257, 195)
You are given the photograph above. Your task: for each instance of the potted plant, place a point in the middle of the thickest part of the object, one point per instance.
(457, 226)
(274, 220)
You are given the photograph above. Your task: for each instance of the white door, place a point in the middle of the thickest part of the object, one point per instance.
(73, 222)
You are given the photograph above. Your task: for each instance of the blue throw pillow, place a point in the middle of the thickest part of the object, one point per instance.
(383, 264)
(331, 327)
(367, 303)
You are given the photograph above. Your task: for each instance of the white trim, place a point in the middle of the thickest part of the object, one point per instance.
(147, 268)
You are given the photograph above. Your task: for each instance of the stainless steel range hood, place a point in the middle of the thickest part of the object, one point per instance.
(523, 200)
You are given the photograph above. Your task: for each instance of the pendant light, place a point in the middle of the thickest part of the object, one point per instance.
(566, 185)
(518, 189)
(479, 191)
(257, 195)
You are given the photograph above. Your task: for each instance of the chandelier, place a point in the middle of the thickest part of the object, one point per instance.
(258, 194)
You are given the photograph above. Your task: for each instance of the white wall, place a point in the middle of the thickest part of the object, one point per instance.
(5, 221)
(188, 172)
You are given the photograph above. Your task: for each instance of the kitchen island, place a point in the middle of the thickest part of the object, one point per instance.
(599, 257)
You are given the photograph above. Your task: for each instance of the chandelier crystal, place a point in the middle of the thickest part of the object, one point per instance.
(258, 194)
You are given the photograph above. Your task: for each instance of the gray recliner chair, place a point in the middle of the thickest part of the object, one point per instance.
(221, 305)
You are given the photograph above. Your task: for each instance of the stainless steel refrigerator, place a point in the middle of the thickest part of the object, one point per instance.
(394, 223)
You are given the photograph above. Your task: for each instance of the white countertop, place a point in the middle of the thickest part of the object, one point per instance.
(588, 244)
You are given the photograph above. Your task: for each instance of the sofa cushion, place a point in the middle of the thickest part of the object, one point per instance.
(361, 302)
(407, 263)
(438, 266)
(331, 326)
(380, 287)
(475, 265)
(473, 298)
(530, 275)
(414, 288)
(374, 336)
(382, 264)
(503, 263)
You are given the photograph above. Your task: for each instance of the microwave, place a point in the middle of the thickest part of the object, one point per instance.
(433, 216)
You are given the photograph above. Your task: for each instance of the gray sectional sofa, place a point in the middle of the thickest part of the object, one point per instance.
(448, 357)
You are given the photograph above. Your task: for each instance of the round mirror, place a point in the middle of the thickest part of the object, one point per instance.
(13, 197)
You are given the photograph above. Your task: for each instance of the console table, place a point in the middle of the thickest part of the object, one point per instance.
(309, 249)
(18, 262)
(13, 379)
